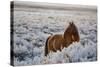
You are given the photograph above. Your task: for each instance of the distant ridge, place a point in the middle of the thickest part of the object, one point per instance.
(43, 5)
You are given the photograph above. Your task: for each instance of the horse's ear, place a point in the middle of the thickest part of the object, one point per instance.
(70, 23)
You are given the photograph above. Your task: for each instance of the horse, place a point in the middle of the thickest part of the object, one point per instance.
(59, 41)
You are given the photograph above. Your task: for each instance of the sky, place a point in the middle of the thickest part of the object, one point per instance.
(80, 2)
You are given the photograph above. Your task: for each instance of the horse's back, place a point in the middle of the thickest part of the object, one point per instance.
(56, 37)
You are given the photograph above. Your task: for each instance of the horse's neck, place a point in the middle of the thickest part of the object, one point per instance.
(67, 39)
(65, 36)
(64, 39)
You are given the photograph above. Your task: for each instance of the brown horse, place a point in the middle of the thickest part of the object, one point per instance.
(59, 41)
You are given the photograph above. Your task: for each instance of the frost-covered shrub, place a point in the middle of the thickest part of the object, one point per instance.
(31, 29)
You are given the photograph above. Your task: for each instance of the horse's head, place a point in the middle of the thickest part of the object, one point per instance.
(71, 33)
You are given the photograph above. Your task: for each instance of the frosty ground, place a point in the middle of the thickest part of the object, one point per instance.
(33, 26)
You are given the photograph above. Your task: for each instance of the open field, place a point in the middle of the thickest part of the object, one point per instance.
(32, 26)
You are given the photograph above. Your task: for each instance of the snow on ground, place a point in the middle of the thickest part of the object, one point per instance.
(31, 29)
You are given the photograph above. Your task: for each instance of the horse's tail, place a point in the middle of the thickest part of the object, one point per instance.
(46, 47)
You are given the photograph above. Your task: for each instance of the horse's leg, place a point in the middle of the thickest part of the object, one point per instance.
(60, 49)
(54, 50)
(57, 48)
(61, 45)
(54, 46)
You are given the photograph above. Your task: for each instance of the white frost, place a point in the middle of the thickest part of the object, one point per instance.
(31, 29)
